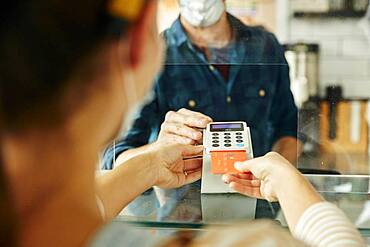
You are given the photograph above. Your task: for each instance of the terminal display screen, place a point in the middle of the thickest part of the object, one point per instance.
(227, 127)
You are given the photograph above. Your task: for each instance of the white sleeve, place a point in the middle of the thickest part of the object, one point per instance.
(324, 225)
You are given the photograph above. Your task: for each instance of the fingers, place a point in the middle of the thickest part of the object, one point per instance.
(193, 113)
(183, 140)
(270, 165)
(189, 118)
(180, 127)
(189, 150)
(181, 130)
(193, 176)
(228, 179)
(259, 167)
(247, 166)
(246, 190)
(249, 176)
(245, 184)
(173, 138)
(191, 165)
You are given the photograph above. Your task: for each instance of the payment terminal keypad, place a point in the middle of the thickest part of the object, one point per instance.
(227, 143)
(228, 140)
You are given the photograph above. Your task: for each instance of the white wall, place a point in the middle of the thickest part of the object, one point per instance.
(345, 52)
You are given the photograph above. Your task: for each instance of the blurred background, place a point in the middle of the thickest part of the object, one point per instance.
(327, 45)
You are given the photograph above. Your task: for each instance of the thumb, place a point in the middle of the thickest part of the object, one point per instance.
(189, 150)
(255, 166)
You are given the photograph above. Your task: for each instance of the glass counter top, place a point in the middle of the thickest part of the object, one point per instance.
(187, 208)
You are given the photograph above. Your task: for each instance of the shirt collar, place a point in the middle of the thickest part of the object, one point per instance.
(179, 32)
(181, 37)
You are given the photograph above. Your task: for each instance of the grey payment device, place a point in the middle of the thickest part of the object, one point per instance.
(219, 138)
(219, 202)
(228, 136)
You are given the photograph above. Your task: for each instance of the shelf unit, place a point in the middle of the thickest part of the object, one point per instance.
(333, 14)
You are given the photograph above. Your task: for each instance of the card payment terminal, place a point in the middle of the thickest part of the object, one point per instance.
(225, 143)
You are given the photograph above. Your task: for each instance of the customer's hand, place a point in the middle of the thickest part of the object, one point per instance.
(171, 171)
(183, 127)
(262, 177)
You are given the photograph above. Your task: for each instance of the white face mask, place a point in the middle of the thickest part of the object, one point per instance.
(202, 13)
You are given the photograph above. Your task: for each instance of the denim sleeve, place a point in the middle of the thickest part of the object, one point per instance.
(145, 123)
(284, 114)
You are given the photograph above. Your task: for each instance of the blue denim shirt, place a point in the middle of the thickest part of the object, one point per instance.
(257, 90)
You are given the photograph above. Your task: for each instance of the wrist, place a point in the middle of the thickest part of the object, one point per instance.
(144, 169)
(285, 178)
(151, 171)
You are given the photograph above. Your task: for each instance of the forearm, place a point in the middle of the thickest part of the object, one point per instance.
(129, 154)
(323, 224)
(295, 195)
(120, 186)
(289, 147)
(310, 219)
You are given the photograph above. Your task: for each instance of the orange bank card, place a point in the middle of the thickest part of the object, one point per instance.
(223, 161)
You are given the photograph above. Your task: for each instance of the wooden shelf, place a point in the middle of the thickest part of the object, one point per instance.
(333, 14)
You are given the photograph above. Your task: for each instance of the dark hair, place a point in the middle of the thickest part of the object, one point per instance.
(8, 222)
(41, 43)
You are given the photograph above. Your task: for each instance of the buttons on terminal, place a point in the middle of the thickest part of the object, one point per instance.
(226, 137)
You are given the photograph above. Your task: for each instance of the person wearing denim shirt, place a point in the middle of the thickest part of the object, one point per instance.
(247, 80)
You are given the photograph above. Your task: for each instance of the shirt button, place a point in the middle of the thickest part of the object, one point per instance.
(192, 103)
(262, 93)
(211, 68)
(228, 99)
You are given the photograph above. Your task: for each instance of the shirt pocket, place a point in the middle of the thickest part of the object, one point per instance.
(193, 100)
(255, 101)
